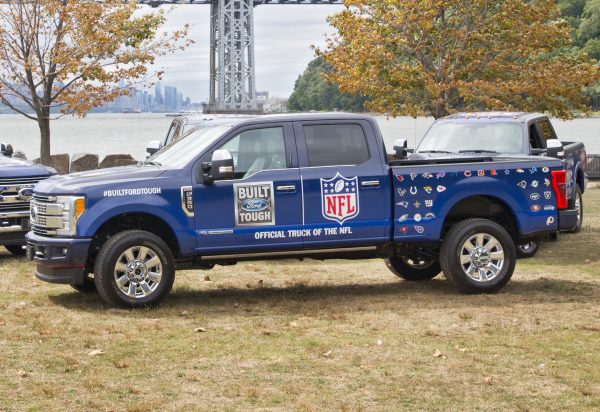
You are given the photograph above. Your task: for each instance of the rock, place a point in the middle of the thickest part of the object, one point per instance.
(80, 162)
(20, 155)
(61, 163)
(114, 160)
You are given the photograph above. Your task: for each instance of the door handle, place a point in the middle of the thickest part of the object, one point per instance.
(370, 183)
(286, 188)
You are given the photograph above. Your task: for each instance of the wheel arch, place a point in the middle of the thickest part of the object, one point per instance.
(484, 206)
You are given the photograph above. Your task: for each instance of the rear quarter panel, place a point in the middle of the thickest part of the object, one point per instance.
(424, 195)
(575, 167)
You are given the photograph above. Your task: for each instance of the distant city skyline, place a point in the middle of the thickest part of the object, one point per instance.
(283, 34)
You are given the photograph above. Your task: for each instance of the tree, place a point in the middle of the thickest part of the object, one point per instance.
(438, 56)
(61, 57)
(313, 91)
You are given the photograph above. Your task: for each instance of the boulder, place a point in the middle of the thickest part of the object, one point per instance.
(80, 162)
(61, 163)
(114, 160)
(20, 155)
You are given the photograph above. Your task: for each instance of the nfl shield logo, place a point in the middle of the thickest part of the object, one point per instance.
(339, 198)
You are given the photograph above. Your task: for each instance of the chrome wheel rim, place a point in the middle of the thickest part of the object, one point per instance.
(578, 207)
(482, 257)
(525, 247)
(138, 272)
(417, 263)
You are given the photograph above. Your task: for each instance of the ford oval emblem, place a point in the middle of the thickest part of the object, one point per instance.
(26, 193)
(254, 205)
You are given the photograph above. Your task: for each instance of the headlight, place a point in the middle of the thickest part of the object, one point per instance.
(72, 209)
(56, 215)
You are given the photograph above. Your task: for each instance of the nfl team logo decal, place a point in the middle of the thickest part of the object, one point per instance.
(339, 198)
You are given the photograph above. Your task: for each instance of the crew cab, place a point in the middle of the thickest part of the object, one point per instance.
(509, 133)
(17, 179)
(292, 186)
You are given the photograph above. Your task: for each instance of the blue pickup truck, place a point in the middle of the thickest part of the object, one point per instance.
(294, 186)
(509, 133)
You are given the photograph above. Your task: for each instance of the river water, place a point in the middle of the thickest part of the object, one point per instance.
(129, 133)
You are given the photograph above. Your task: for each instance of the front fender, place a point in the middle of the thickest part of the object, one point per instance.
(165, 207)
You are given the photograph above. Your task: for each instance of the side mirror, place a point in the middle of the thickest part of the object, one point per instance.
(554, 148)
(400, 146)
(220, 167)
(153, 147)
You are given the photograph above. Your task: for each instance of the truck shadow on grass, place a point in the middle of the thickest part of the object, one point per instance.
(297, 299)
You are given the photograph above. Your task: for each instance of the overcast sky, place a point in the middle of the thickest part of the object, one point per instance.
(283, 38)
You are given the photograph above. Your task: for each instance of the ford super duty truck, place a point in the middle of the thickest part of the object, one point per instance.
(17, 179)
(294, 186)
(512, 134)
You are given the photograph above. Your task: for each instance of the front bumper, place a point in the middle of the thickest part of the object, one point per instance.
(567, 220)
(58, 260)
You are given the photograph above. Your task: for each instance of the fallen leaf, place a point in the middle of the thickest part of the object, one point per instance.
(200, 330)
(438, 354)
(458, 348)
(184, 313)
(293, 324)
(22, 373)
(541, 365)
(96, 352)
(260, 282)
(379, 342)
(327, 354)
(267, 332)
(207, 278)
(489, 379)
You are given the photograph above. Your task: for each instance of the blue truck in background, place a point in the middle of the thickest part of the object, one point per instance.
(17, 179)
(509, 133)
(292, 186)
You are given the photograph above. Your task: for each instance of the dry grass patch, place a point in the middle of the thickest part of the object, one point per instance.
(313, 336)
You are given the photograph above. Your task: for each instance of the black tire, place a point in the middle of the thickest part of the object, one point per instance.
(528, 249)
(573, 205)
(412, 269)
(15, 250)
(453, 247)
(113, 253)
(88, 286)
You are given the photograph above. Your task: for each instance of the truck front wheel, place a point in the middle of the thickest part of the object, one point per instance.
(134, 268)
(478, 256)
(409, 268)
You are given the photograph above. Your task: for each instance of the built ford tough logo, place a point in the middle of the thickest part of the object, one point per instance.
(254, 204)
(339, 198)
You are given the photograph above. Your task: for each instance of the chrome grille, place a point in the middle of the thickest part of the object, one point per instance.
(11, 203)
(46, 214)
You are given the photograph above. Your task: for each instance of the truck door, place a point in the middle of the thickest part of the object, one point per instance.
(260, 208)
(345, 182)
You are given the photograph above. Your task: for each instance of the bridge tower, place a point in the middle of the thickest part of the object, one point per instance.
(232, 74)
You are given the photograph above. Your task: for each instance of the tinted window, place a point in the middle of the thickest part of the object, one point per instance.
(256, 150)
(546, 129)
(339, 144)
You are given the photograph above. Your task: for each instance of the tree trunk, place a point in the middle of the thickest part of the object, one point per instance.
(44, 124)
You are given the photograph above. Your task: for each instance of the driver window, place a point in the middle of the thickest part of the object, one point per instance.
(256, 150)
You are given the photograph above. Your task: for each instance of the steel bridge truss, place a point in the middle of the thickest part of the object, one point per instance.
(232, 64)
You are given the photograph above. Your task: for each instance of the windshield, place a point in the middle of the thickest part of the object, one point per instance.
(186, 149)
(470, 137)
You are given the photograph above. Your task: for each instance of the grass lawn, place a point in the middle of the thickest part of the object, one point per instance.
(313, 336)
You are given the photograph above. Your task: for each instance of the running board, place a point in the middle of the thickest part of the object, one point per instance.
(293, 254)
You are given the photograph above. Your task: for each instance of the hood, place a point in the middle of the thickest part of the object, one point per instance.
(11, 167)
(81, 181)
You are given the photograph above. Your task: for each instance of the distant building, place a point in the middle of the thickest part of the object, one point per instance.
(262, 96)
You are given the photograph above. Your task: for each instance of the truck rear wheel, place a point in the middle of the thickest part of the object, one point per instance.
(134, 268)
(478, 256)
(577, 204)
(528, 249)
(16, 250)
(409, 268)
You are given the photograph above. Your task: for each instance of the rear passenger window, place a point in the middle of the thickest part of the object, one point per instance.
(336, 144)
